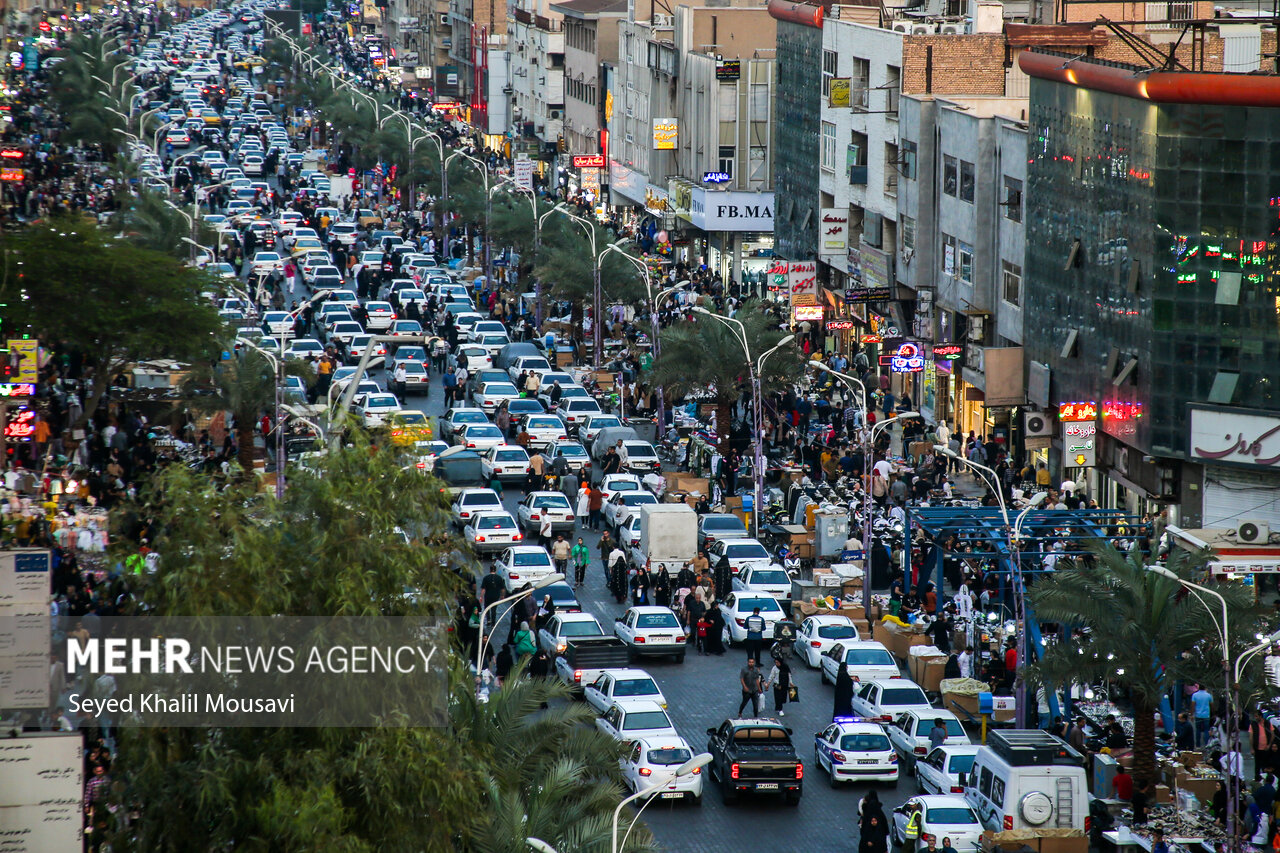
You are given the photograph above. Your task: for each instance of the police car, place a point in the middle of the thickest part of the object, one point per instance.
(853, 749)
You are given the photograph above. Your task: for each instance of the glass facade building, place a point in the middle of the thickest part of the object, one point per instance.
(1152, 273)
(798, 157)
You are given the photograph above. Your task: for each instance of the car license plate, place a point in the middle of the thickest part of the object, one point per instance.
(766, 786)
(671, 795)
(867, 761)
(661, 639)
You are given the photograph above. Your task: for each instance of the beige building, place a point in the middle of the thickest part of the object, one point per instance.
(590, 41)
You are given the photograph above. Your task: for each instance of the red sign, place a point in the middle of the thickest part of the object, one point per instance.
(839, 325)
(871, 339)
(1072, 412)
(7, 174)
(21, 425)
(1117, 410)
(948, 351)
(588, 161)
(12, 153)
(446, 106)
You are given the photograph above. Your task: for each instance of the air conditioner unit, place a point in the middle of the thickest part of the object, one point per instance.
(923, 29)
(1253, 533)
(902, 27)
(951, 29)
(1037, 425)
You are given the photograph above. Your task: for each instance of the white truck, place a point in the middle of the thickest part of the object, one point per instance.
(668, 537)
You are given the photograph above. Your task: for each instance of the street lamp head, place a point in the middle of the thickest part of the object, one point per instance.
(902, 415)
(696, 763)
(699, 309)
(1164, 572)
(553, 578)
(1037, 499)
(782, 343)
(539, 845)
(944, 450)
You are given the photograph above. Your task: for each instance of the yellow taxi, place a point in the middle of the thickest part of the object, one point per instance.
(409, 428)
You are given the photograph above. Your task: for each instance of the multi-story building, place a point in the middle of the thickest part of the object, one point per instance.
(477, 28)
(590, 42)
(536, 47)
(443, 68)
(691, 134)
(1150, 297)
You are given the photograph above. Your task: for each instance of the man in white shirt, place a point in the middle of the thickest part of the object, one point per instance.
(965, 659)
(944, 434)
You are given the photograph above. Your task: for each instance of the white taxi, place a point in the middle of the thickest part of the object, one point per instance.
(817, 634)
(631, 719)
(539, 504)
(851, 749)
(650, 760)
(505, 462)
(488, 532)
(864, 659)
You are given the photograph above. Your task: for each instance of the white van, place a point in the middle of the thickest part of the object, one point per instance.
(1028, 780)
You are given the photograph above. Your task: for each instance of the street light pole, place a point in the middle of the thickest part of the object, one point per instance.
(278, 365)
(693, 765)
(554, 577)
(1020, 614)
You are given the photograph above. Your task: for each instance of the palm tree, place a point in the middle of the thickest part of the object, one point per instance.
(149, 221)
(552, 775)
(706, 355)
(566, 266)
(1136, 630)
(244, 385)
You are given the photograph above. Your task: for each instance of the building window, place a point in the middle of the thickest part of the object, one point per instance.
(859, 81)
(948, 254)
(728, 154)
(829, 66)
(966, 182)
(1011, 275)
(728, 104)
(908, 160)
(950, 175)
(1013, 200)
(907, 233)
(892, 88)
(828, 146)
(890, 169)
(965, 271)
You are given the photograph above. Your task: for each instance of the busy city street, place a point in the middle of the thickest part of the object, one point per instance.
(572, 427)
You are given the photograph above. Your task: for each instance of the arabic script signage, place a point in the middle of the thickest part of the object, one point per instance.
(1224, 436)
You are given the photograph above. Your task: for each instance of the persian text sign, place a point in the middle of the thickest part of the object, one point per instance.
(1225, 436)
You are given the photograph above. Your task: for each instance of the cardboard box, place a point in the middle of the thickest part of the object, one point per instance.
(1163, 795)
(880, 633)
(933, 672)
(918, 664)
(1078, 844)
(564, 359)
(1190, 758)
(968, 703)
(1204, 789)
(743, 516)
(734, 502)
(804, 550)
(904, 641)
(864, 627)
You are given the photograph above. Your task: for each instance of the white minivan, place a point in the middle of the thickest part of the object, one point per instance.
(1028, 780)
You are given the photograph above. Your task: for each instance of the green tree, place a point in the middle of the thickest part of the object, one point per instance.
(566, 266)
(707, 356)
(1142, 633)
(149, 221)
(80, 95)
(68, 281)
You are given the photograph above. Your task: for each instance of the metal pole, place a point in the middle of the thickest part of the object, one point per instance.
(757, 429)
(279, 426)
(662, 406)
(597, 318)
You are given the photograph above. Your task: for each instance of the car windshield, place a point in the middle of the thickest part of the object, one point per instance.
(571, 451)
(559, 501)
(769, 576)
(901, 695)
(511, 456)
(766, 605)
(583, 406)
(672, 756)
(638, 687)
(657, 620)
(837, 632)
(865, 743)
(588, 628)
(869, 657)
(954, 729)
(747, 551)
(545, 423)
(500, 388)
(530, 558)
(960, 764)
(638, 498)
(411, 418)
(761, 734)
(605, 421)
(380, 401)
(951, 816)
(483, 431)
(470, 418)
(524, 406)
(723, 524)
(638, 449)
(646, 720)
(480, 500)
(623, 486)
(494, 522)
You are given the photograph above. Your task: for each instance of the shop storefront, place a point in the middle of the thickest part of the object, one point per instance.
(1239, 450)
(730, 231)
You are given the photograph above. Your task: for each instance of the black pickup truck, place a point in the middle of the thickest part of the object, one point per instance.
(755, 756)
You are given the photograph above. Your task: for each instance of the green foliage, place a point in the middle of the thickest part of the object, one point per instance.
(149, 221)
(1142, 634)
(80, 96)
(120, 303)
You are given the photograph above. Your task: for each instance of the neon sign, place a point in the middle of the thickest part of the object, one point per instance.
(907, 359)
(21, 425)
(17, 389)
(1118, 410)
(950, 352)
(1077, 412)
(839, 325)
(716, 178)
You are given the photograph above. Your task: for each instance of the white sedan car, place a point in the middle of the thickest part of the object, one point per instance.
(265, 262)
(491, 394)
(619, 684)
(304, 348)
(374, 408)
(851, 750)
(864, 660)
(817, 634)
(631, 719)
(911, 730)
(941, 816)
(523, 564)
(652, 759)
(505, 462)
(277, 323)
(543, 429)
(651, 630)
(611, 484)
(945, 769)
(480, 437)
(619, 508)
(537, 504)
(770, 580)
(470, 501)
(741, 552)
(593, 424)
(488, 532)
(737, 606)
(380, 316)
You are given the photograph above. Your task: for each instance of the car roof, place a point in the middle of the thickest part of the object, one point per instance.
(652, 608)
(663, 742)
(629, 703)
(529, 549)
(931, 715)
(627, 673)
(830, 619)
(865, 727)
(756, 721)
(937, 801)
(465, 492)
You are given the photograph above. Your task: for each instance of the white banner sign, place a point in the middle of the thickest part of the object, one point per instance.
(731, 211)
(802, 279)
(41, 793)
(1235, 437)
(1080, 444)
(524, 174)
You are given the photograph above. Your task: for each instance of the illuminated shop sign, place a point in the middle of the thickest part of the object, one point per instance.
(907, 358)
(1077, 412)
